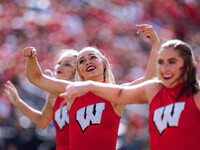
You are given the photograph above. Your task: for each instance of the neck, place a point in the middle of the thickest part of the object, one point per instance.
(97, 79)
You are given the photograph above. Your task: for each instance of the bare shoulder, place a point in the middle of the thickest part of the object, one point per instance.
(152, 88)
(154, 83)
(197, 99)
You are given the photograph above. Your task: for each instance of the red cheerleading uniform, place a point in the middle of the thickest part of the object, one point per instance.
(93, 124)
(61, 123)
(174, 123)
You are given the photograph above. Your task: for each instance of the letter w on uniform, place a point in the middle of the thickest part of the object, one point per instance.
(168, 116)
(90, 115)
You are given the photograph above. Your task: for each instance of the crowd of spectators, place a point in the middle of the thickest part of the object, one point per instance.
(109, 25)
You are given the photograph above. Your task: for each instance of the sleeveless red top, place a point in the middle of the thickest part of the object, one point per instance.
(174, 123)
(93, 124)
(61, 123)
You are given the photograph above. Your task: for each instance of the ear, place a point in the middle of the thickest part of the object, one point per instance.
(80, 75)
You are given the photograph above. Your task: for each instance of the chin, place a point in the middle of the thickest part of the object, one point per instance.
(61, 77)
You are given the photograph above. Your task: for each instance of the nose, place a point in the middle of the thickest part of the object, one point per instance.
(88, 62)
(165, 67)
(58, 67)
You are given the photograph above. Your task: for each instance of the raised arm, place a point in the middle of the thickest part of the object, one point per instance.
(41, 119)
(151, 72)
(36, 77)
(111, 92)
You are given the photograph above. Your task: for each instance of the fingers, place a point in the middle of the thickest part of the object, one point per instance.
(146, 29)
(29, 52)
(10, 88)
(66, 95)
(9, 85)
(7, 92)
(7, 88)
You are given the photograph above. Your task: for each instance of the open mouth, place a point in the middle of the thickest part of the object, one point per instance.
(59, 72)
(167, 77)
(90, 68)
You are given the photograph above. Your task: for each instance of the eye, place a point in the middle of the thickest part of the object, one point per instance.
(160, 62)
(93, 57)
(172, 62)
(68, 65)
(81, 61)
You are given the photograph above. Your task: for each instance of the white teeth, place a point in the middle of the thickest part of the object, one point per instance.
(90, 68)
(167, 76)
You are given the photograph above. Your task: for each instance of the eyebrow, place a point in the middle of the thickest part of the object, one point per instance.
(172, 59)
(88, 55)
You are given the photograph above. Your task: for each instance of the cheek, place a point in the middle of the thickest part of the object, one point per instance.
(81, 69)
(159, 69)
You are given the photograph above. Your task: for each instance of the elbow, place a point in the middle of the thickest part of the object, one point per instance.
(34, 79)
(42, 125)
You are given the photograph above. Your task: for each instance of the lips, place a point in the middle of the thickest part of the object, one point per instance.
(167, 77)
(59, 71)
(90, 68)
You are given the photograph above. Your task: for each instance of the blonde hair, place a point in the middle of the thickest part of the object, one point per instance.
(70, 53)
(67, 52)
(108, 75)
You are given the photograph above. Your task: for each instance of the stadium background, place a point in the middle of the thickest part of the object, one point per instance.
(110, 25)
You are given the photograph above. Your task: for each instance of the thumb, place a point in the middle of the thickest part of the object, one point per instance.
(34, 52)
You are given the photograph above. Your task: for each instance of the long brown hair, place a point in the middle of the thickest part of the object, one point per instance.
(189, 70)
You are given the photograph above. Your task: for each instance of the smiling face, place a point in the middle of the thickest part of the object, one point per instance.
(65, 67)
(176, 64)
(170, 66)
(90, 65)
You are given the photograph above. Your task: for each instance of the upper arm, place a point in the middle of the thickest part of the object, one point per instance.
(51, 85)
(47, 112)
(134, 94)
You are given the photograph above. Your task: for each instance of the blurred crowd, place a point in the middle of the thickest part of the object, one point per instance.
(109, 25)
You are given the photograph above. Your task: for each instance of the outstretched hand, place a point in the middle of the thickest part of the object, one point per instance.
(12, 93)
(75, 89)
(148, 31)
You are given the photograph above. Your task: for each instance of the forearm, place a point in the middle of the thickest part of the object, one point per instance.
(33, 70)
(109, 92)
(151, 70)
(119, 94)
(36, 77)
(33, 114)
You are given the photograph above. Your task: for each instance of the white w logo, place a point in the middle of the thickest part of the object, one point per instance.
(168, 116)
(61, 117)
(91, 115)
